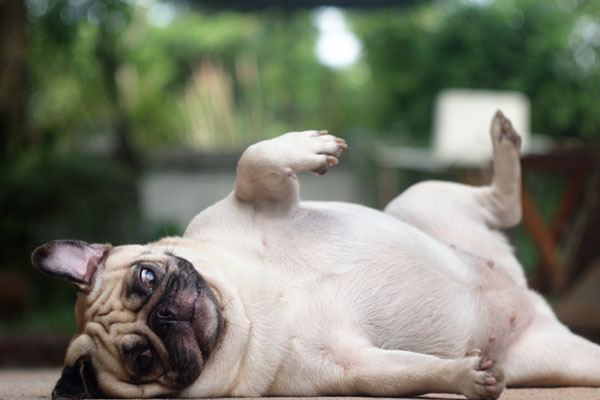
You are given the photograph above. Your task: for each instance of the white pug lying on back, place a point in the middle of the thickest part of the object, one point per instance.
(266, 295)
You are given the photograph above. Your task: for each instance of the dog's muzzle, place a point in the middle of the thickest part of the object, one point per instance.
(187, 321)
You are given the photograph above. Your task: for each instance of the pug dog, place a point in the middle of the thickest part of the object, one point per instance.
(267, 295)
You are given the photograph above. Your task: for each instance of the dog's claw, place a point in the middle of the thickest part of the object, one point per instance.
(473, 353)
(502, 129)
(332, 160)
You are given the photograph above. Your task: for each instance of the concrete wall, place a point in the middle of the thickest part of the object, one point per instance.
(175, 195)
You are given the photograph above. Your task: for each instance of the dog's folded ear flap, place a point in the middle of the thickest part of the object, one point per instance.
(77, 382)
(73, 260)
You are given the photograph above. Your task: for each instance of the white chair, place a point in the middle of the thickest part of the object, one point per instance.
(462, 121)
(461, 125)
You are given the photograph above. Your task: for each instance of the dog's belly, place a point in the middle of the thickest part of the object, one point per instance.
(360, 269)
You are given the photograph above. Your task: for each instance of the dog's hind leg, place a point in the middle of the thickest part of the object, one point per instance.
(347, 364)
(548, 354)
(395, 373)
(470, 217)
(503, 197)
(429, 204)
(266, 171)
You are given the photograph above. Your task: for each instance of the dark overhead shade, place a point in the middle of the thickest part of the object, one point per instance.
(297, 4)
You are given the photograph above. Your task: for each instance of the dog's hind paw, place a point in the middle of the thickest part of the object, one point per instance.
(484, 380)
(503, 131)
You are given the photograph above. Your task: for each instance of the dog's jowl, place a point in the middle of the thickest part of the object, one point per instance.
(267, 295)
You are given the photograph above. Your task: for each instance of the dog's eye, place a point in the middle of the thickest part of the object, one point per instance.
(147, 278)
(144, 362)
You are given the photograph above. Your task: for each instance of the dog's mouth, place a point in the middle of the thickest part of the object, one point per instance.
(198, 317)
(206, 323)
(188, 322)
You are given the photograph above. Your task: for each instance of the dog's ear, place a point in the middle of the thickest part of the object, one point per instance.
(73, 260)
(77, 382)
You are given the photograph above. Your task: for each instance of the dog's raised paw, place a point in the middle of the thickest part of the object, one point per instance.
(329, 146)
(314, 151)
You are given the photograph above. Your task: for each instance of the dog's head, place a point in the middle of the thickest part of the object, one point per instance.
(147, 321)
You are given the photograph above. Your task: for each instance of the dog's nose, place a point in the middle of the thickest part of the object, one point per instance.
(163, 317)
(165, 314)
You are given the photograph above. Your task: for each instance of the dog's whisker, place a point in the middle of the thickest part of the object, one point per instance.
(228, 302)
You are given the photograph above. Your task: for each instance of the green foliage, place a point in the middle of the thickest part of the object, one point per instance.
(220, 80)
(224, 79)
(234, 78)
(42, 191)
(208, 80)
(56, 319)
(523, 45)
(69, 96)
(46, 197)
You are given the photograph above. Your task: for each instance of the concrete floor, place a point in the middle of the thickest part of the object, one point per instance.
(38, 383)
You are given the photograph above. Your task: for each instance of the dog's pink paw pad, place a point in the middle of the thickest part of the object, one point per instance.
(487, 378)
(502, 129)
(486, 364)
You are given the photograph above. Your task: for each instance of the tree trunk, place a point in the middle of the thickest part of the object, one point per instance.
(13, 75)
(585, 243)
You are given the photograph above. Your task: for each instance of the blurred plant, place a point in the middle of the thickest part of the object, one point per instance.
(131, 75)
(77, 196)
(215, 121)
(104, 73)
(235, 78)
(548, 49)
(121, 79)
(74, 53)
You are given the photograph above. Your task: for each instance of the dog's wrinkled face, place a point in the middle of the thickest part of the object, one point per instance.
(173, 301)
(147, 320)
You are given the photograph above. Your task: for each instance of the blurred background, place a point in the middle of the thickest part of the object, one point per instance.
(120, 119)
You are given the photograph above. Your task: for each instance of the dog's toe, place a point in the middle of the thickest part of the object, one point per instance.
(485, 380)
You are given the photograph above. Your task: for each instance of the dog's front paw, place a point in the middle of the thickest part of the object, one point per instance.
(313, 151)
(482, 378)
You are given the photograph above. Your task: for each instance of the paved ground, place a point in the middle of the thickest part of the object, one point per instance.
(38, 383)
